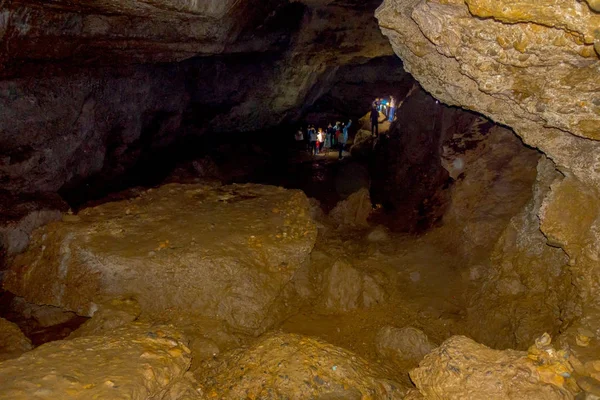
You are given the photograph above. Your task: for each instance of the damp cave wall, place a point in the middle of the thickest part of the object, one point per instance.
(108, 100)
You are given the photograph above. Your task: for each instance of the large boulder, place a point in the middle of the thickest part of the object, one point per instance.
(137, 361)
(222, 252)
(13, 342)
(289, 366)
(464, 369)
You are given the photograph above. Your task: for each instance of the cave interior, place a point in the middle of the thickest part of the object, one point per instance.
(166, 234)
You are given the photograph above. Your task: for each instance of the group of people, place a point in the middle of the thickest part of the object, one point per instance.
(382, 105)
(319, 140)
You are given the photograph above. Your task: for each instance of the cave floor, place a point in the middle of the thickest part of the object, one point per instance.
(424, 287)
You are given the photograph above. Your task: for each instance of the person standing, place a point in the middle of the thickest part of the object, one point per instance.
(320, 140)
(313, 140)
(374, 122)
(344, 138)
(392, 108)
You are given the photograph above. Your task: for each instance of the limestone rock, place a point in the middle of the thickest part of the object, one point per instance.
(463, 369)
(20, 215)
(403, 344)
(12, 341)
(160, 31)
(222, 252)
(528, 289)
(530, 65)
(296, 367)
(137, 361)
(109, 316)
(538, 72)
(354, 211)
(346, 288)
(45, 316)
(497, 174)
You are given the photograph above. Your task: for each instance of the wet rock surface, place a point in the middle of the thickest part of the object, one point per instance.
(292, 366)
(137, 361)
(223, 252)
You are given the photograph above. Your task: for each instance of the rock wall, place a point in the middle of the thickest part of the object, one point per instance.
(89, 108)
(406, 168)
(526, 288)
(530, 65)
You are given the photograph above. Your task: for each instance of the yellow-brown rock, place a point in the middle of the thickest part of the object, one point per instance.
(13, 342)
(534, 66)
(538, 76)
(137, 361)
(288, 366)
(353, 211)
(222, 252)
(463, 369)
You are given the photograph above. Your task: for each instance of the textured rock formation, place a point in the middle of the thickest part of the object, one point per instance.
(463, 369)
(20, 215)
(81, 118)
(494, 175)
(296, 367)
(109, 316)
(403, 344)
(133, 31)
(346, 288)
(222, 252)
(527, 289)
(138, 361)
(12, 341)
(530, 65)
(44, 316)
(539, 72)
(354, 211)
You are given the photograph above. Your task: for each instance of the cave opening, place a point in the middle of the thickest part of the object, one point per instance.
(158, 204)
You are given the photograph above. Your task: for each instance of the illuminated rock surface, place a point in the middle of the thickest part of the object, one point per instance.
(223, 252)
(463, 369)
(137, 361)
(532, 66)
(296, 367)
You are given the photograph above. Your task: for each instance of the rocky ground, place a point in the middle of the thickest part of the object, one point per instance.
(182, 282)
